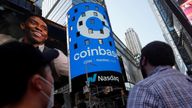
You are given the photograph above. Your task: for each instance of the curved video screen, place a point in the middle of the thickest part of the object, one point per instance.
(91, 45)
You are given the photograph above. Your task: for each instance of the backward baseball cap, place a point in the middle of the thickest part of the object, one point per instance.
(19, 62)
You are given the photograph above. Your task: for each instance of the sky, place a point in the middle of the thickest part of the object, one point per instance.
(136, 14)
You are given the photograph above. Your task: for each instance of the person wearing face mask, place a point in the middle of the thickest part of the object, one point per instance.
(163, 86)
(26, 80)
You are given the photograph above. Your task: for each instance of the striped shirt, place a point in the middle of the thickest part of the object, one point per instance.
(164, 88)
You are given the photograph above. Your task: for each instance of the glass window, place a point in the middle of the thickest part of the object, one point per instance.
(100, 41)
(110, 43)
(71, 28)
(87, 7)
(80, 23)
(92, 21)
(95, 13)
(83, 14)
(96, 8)
(101, 31)
(75, 10)
(75, 46)
(104, 16)
(78, 34)
(87, 42)
(73, 19)
(90, 31)
(103, 23)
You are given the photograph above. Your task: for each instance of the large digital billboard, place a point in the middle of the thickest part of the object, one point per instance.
(92, 49)
(12, 25)
(15, 24)
(187, 9)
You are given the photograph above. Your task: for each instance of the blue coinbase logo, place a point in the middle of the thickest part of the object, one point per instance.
(93, 25)
(90, 39)
(96, 51)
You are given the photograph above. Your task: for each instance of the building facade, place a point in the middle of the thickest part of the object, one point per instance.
(50, 10)
(130, 67)
(56, 10)
(176, 31)
(133, 42)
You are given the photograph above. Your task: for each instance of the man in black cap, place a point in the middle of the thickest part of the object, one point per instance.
(26, 80)
(163, 86)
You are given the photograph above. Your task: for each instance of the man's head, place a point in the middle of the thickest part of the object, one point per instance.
(25, 75)
(35, 30)
(156, 54)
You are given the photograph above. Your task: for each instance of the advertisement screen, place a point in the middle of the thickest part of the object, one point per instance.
(186, 7)
(22, 28)
(93, 56)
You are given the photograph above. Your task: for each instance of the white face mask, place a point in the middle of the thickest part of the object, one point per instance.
(51, 97)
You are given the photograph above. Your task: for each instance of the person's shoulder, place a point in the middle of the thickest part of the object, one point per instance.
(58, 50)
(163, 78)
(150, 81)
(61, 54)
(147, 82)
(170, 74)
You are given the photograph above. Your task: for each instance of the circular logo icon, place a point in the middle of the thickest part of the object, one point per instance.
(93, 24)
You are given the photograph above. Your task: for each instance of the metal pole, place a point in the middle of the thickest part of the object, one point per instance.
(87, 83)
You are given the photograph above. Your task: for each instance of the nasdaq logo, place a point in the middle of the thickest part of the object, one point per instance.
(108, 78)
(92, 79)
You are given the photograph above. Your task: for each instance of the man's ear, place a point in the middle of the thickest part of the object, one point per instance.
(143, 61)
(22, 26)
(37, 82)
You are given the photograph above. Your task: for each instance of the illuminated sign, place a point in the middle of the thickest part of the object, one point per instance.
(187, 9)
(91, 45)
(102, 78)
(128, 86)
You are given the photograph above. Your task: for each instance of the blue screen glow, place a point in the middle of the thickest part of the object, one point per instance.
(91, 45)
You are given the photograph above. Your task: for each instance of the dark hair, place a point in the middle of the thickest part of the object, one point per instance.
(18, 62)
(158, 53)
(27, 16)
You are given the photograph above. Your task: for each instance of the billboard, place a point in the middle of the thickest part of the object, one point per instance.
(186, 7)
(93, 56)
(11, 28)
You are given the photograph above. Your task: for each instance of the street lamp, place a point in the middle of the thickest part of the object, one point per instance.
(87, 81)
